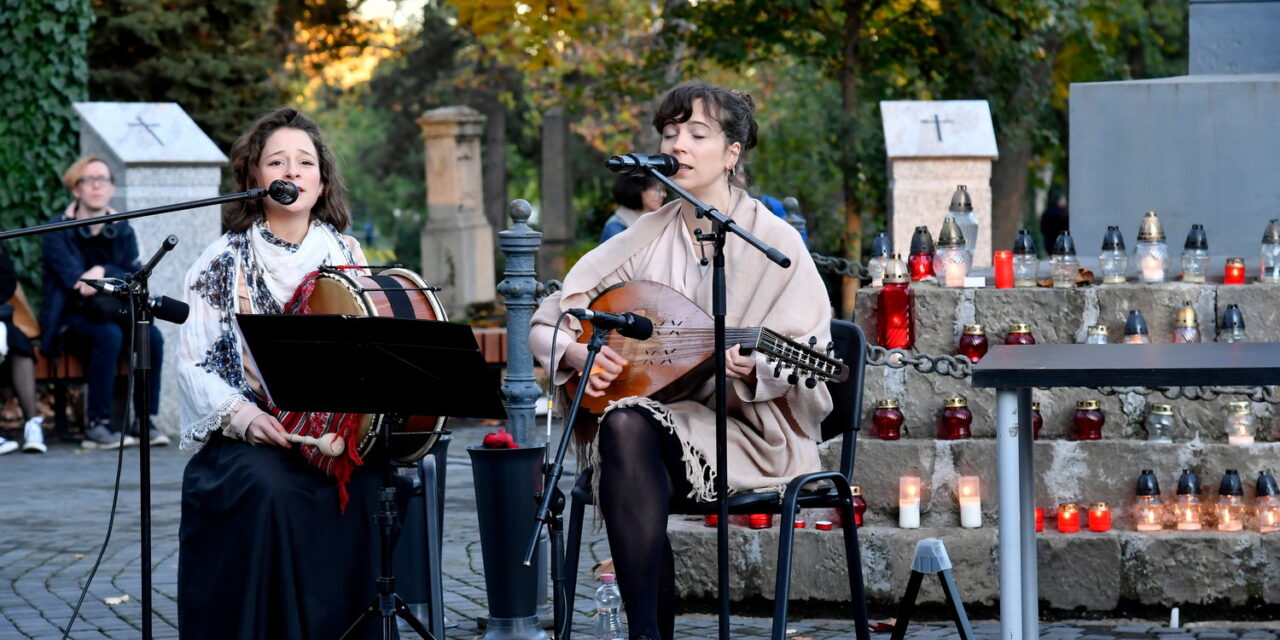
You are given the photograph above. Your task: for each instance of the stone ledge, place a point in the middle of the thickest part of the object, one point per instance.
(1093, 571)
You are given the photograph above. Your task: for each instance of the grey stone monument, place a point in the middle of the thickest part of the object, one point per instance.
(934, 146)
(558, 224)
(1199, 148)
(457, 241)
(158, 155)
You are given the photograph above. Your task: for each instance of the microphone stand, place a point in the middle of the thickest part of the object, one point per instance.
(722, 225)
(551, 507)
(137, 294)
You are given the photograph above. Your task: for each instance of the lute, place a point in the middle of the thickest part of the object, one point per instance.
(680, 352)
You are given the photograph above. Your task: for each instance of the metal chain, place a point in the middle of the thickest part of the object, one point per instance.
(960, 367)
(840, 266)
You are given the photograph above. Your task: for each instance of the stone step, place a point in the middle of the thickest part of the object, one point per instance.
(1094, 571)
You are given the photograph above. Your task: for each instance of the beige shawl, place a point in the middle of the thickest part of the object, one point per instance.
(773, 428)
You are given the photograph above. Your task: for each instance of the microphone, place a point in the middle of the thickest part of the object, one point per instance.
(162, 307)
(283, 192)
(637, 164)
(627, 324)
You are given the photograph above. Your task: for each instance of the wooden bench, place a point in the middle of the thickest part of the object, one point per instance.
(60, 371)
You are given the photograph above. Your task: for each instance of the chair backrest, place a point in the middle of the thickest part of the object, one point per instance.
(846, 411)
(23, 318)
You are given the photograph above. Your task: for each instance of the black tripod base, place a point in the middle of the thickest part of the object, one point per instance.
(388, 607)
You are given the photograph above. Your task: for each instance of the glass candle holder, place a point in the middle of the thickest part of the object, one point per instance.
(1233, 273)
(956, 419)
(1267, 503)
(1229, 508)
(970, 502)
(1002, 265)
(1271, 253)
(1135, 329)
(1098, 334)
(1186, 327)
(961, 210)
(1099, 517)
(1231, 329)
(1019, 333)
(1151, 257)
(895, 308)
(1063, 264)
(1148, 513)
(859, 505)
(875, 267)
(953, 264)
(1088, 420)
(1026, 264)
(1186, 508)
(1037, 421)
(887, 420)
(1159, 423)
(1039, 519)
(909, 502)
(1239, 423)
(921, 266)
(973, 342)
(760, 520)
(1068, 518)
(1113, 259)
(1195, 255)
(881, 253)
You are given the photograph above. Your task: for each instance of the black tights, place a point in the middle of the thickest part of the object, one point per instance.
(640, 469)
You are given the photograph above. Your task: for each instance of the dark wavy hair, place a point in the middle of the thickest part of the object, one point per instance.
(733, 111)
(330, 207)
(628, 190)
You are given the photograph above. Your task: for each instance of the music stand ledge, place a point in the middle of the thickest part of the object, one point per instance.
(392, 366)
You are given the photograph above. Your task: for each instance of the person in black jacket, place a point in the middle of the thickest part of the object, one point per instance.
(76, 318)
(21, 357)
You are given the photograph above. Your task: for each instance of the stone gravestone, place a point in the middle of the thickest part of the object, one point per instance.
(159, 156)
(457, 241)
(1199, 148)
(934, 146)
(559, 230)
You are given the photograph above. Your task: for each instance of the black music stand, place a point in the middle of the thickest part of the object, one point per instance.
(399, 367)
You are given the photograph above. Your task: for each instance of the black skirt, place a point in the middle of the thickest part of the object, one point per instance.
(264, 551)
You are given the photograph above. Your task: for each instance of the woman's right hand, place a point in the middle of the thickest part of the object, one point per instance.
(265, 429)
(608, 366)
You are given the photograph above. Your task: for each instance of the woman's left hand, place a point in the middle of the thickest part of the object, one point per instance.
(739, 366)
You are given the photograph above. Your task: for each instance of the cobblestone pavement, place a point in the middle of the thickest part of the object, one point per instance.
(54, 514)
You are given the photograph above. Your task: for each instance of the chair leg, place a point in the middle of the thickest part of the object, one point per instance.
(573, 549)
(853, 558)
(907, 606)
(786, 544)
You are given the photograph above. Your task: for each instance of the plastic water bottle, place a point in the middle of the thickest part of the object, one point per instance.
(609, 609)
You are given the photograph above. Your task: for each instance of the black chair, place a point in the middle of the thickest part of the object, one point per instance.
(845, 420)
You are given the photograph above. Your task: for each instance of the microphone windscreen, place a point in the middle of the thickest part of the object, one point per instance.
(170, 310)
(641, 328)
(283, 192)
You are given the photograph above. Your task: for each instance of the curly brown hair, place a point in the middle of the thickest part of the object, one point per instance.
(330, 207)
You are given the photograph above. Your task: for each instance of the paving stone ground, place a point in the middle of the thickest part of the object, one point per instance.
(54, 514)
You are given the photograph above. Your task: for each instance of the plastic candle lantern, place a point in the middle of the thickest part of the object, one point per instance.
(951, 258)
(1232, 327)
(1019, 333)
(961, 210)
(973, 342)
(1068, 518)
(1002, 263)
(1159, 422)
(881, 253)
(921, 259)
(895, 308)
(1026, 264)
(956, 419)
(909, 502)
(1268, 503)
(1186, 504)
(1089, 420)
(1113, 258)
(1239, 423)
(970, 502)
(1151, 252)
(1063, 264)
(1195, 255)
(887, 420)
(1135, 329)
(1230, 506)
(859, 505)
(1037, 421)
(1271, 252)
(1186, 327)
(1039, 519)
(1099, 517)
(1234, 271)
(1148, 510)
(1098, 334)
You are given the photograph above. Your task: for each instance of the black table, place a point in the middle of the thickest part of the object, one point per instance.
(1014, 370)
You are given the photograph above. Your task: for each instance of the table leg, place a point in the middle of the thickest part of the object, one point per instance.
(1027, 513)
(1010, 537)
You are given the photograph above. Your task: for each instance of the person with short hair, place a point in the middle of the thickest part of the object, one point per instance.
(636, 196)
(80, 320)
(269, 547)
(20, 353)
(647, 453)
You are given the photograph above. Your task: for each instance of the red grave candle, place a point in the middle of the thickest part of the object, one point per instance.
(887, 420)
(1088, 420)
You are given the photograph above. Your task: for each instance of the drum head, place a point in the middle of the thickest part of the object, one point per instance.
(336, 293)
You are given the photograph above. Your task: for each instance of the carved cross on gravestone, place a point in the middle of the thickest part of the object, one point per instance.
(148, 125)
(937, 123)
